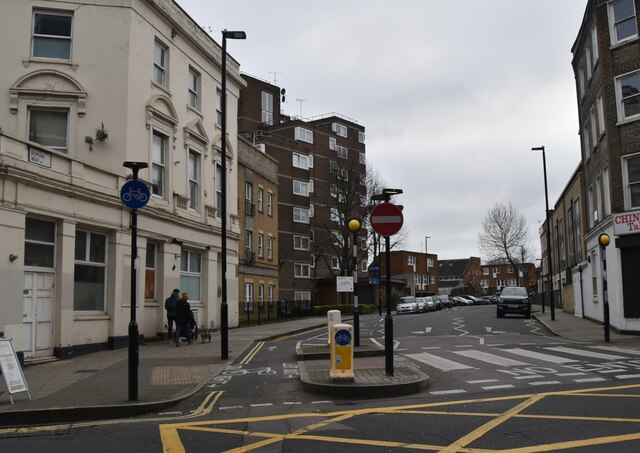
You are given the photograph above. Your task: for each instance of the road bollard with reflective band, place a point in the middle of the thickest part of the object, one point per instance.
(341, 353)
(333, 317)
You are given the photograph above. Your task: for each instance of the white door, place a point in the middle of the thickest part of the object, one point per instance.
(37, 314)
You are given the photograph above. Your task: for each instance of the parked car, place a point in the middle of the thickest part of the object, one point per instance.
(514, 299)
(485, 300)
(422, 304)
(407, 304)
(461, 300)
(431, 305)
(445, 301)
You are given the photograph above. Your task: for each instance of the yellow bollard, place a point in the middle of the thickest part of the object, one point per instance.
(341, 353)
(333, 317)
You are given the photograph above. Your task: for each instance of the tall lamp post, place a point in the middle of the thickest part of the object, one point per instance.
(354, 225)
(224, 307)
(388, 320)
(426, 262)
(548, 222)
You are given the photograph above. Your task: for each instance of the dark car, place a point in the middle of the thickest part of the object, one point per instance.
(514, 299)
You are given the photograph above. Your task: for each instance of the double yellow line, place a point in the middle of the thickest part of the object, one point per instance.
(249, 357)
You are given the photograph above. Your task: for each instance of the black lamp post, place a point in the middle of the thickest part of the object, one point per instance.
(548, 222)
(388, 320)
(354, 225)
(133, 324)
(224, 307)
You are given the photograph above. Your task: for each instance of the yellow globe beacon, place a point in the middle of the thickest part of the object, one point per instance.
(353, 225)
(604, 239)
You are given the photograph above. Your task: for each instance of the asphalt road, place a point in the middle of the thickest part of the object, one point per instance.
(496, 385)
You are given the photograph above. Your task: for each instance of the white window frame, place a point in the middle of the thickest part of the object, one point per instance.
(270, 247)
(158, 163)
(34, 240)
(150, 267)
(361, 136)
(261, 295)
(269, 203)
(194, 88)
(411, 261)
(54, 110)
(301, 270)
(194, 179)
(267, 108)
(188, 272)
(260, 201)
(53, 38)
(260, 245)
(332, 143)
(248, 297)
(340, 129)
(160, 63)
(88, 261)
(301, 215)
(218, 107)
(600, 110)
(626, 180)
(335, 262)
(301, 242)
(219, 193)
(303, 134)
(485, 271)
(595, 54)
(620, 100)
(335, 215)
(342, 151)
(302, 188)
(615, 22)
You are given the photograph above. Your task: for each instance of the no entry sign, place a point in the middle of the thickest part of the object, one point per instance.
(386, 219)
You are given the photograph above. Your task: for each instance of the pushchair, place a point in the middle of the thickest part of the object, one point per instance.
(192, 326)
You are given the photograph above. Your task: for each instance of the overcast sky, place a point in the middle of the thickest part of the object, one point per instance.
(453, 96)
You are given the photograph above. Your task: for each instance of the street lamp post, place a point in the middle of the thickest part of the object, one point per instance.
(354, 226)
(548, 222)
(426, 262)
(224, 307)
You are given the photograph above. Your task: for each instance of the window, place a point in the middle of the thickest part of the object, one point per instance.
(361, 137)
(302, 188)
(594, 276)
(622, 21)
(594, 45)
(339, 129)
(248, 192)
(485, 271)
(300, 215)
(219, 107)
(260, 199)
(586, 147)
(261, 295)
(301, 242)
(269, 203)
(160, 54)
(578, 228)
(581, 81)
(303, 134)
(150, 271)
(587, 59)
(194, 177)
(301, 270)
(49, 127)
(484, 283)
(248, 297)
(194, 88)
(606, 195)
(269, 247)
(600, 110)
(158, 159)
(593, 210)
(510, 270)
(632, 189)
(496, 270)
(89, 276)
(302, 161)
(249, 241)
(628, 96)
(335, 262)
(593, 117)
(571, 236)
(362, 159)
(270, 294)
(332, 143)
(302, 299)
(260, 245)
(342, 151)
(190, 273)
(39, 243)
(51, 35)
(335, 215)
(218, 190)
(267, 108)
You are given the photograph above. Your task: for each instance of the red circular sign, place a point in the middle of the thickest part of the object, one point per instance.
(386, 219)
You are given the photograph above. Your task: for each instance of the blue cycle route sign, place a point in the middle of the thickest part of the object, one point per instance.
(343, 337)
(134, 194)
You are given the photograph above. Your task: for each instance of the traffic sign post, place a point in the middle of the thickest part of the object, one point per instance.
(134, 195)
(386, 220)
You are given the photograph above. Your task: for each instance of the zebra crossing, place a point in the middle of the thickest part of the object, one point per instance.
(503, 367)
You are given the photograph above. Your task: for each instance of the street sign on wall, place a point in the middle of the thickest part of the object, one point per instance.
(386, 219)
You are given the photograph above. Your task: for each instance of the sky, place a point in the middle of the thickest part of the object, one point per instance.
(453, 96)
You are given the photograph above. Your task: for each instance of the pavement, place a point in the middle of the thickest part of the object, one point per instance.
(95, 386)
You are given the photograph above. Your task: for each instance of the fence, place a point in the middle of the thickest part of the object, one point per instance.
(275, 311)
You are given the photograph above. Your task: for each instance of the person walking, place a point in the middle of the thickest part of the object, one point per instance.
(170, 307)
(183, 310)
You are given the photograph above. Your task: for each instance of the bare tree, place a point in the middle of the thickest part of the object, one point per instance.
(504, 237)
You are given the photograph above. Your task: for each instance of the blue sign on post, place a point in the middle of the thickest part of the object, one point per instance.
(343, 337)
(134, 194)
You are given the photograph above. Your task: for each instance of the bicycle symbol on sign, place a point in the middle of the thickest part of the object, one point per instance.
(264, 371)
(135, 194)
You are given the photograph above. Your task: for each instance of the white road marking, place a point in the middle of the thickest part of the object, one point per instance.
(545, 383)
(226, 408)
(539, 356)
(498, 387)
(482, 381)
(438, 362)
(431, 347)
(593, 379)
(489, 329)
(448, 392)
(570, 374)
(321, 402)
(463, 346)
(530, 376)
(615, 349)
(628, 376)
(489, 358)
(291, 403)
(170, 414)
(610, 371)
(585, 353)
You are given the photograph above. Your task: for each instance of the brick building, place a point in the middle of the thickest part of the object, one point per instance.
(460, 276)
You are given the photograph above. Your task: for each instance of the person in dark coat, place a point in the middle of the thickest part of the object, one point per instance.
(183, 312)
(170, 307)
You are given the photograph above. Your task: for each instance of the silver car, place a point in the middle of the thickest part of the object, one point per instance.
(407, 304)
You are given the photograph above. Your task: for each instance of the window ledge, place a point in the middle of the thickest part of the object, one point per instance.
(194, 110)
(628, 120)
(72, 64)
(161, 87)
(91, 317)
